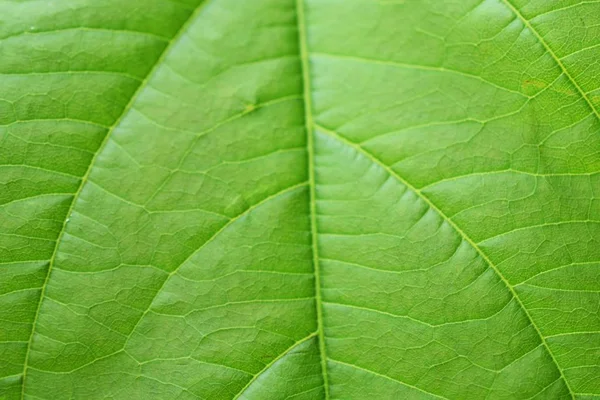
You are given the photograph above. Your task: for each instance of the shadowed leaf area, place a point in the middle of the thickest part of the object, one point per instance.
(299, 199)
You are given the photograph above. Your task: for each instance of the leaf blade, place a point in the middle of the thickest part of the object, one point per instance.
(222, 225)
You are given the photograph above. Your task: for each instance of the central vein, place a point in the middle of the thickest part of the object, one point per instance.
(310, 148)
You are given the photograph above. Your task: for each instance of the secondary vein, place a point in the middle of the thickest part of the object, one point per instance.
(85, 178)
(465, 237)
(551, 52)
(270, 364)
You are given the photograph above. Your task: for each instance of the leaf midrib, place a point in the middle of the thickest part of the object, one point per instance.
(85, 178)
(310, 149)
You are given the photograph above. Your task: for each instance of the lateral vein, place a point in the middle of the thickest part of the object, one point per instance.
(464, 236)
(552, 54)
(85, 178)
(270, 364)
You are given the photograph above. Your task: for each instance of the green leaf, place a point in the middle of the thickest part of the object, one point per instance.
(311, 199)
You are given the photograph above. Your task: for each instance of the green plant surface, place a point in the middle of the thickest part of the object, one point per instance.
(299, 199)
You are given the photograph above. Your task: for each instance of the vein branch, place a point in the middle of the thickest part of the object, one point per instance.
(269, 365)
(464, 236)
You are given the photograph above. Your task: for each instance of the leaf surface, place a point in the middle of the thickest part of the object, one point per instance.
(311, 199)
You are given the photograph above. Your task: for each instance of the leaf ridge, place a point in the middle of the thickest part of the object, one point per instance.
(308, 120)
(85, 178)
(473, 244)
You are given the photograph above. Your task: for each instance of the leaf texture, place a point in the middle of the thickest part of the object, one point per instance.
(299, 199)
